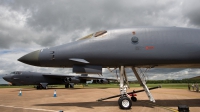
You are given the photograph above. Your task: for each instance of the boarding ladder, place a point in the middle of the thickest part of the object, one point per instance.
(141, 78)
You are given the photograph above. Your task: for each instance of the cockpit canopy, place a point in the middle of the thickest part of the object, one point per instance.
(97, 34)
(18, 73)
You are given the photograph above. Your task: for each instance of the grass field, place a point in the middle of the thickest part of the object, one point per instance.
(172, 86)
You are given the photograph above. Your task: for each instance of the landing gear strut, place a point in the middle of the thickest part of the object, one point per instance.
(124, 101)
(42, 86)
(39, 87)
(69, 85)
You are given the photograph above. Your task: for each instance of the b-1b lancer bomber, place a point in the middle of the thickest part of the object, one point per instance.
(137, 47)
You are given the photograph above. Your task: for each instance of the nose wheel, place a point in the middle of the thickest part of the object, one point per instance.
(124, 102)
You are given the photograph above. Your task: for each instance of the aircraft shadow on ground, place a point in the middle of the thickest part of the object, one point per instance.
(143, 103)
(82, 104)
(34, 89)
(23, 89)
(79, 88)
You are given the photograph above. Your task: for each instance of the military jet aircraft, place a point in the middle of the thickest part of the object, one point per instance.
(137, 47)
(42, 80)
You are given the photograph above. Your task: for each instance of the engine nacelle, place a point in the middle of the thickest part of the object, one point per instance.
(98, 81)
(101, 81)
(71, 80)
(66, 80)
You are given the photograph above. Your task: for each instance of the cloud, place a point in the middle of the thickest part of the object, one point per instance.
(191, 11)
(3, 81)
(42, 21)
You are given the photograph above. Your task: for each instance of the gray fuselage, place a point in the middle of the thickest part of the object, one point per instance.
(156, 46)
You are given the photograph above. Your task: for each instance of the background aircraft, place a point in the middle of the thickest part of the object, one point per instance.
(138, 47)
(44, 79)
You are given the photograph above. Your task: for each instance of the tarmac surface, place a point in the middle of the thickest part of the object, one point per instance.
(84, 100)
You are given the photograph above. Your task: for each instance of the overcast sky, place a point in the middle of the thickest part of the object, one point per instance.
(28, 25)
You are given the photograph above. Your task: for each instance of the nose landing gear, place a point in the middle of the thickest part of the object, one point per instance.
(124, 102)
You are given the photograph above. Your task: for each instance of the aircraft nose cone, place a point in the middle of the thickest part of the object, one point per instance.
(6, 78)
(31, 58)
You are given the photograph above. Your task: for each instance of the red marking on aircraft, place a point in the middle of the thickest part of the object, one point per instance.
(149, 47)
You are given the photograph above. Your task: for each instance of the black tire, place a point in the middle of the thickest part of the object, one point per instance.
(133, 98)
(119, 100)
(71, 85)
(38, 87)
(125, 103)
(66, 85)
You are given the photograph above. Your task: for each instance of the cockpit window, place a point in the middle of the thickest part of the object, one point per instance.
(97, 34)
(19, 73)
(88, 36)
(16, 73)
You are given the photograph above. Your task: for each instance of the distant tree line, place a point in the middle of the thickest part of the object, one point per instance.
(169, 81)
